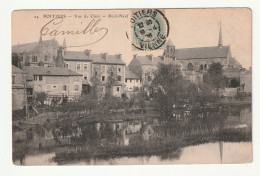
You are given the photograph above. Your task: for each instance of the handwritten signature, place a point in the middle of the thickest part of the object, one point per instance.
(54, 28)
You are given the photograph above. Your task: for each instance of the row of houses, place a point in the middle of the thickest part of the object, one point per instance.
(48, 67)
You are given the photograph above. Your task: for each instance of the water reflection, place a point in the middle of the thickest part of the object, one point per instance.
(136, 141)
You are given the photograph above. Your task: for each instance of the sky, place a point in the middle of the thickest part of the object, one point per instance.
(188, 28)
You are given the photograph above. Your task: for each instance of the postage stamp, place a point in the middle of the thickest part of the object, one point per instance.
(150, 29)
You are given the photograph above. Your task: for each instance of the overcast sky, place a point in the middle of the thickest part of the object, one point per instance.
(188, 28)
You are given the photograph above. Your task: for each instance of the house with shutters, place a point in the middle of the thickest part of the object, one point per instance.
(81, 63)
(55, 81)
(110, 71)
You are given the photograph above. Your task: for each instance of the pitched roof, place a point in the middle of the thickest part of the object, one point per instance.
(50, 71)
(202, 52)
(148, 60)
(234, 63)
(169, 43)
(76, 55)
(110, 59)
(17, 70)
(129, 74)
(31, 47)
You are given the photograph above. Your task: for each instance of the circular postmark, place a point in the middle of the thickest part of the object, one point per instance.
(150, 29)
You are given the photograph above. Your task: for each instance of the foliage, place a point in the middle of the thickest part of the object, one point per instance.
(40, 97)
(171, 88)
(214, 76)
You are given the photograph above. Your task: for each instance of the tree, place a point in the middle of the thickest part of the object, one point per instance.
(170, 88)
(214, 76)
(40, 97)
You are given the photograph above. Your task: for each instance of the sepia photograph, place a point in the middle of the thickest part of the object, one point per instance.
(131, 86)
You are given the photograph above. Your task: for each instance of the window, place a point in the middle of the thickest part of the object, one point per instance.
(130, 80)
(112, 73)
(45, 58)
(78, 66)
(67, 65)
(149, 78)
(34, 59)
(119, 78)
(119, 69)
(35, 78)
(85, 77)
(103, 68)
(103, 78)
(40, 78)
(64, 88)
(54, 86)
(13, 80)
(117, 89)
(95, 73)
(85, 66)
(76, 87)
(125, 80)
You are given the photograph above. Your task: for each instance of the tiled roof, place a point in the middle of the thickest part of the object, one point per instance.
(76, 55)
(17, 70)
(202, 52)
(31, 47)
(129, 74)
(110, 59)
(50, 71)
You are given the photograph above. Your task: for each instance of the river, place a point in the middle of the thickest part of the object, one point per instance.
(42, 144)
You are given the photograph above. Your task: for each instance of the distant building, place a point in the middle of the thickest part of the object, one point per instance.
(109, 69)
(19, 92)
(55, 81)
(132, 82)
(248, 81)
(192, 62)
(43, 52)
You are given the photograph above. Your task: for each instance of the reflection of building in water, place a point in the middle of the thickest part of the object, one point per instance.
(147, 132)
(134, 133)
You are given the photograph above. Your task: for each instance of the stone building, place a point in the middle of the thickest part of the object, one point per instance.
(110, 71)
(43, 52)
(193, 62)
(81, 63)
(132, 82)
(19, 92)
(55, 81)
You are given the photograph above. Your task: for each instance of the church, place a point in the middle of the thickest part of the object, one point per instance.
(193, 62)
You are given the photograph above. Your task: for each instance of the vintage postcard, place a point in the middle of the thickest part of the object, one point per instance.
(131, 86)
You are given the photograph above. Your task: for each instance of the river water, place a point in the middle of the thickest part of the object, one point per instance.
(39, 145)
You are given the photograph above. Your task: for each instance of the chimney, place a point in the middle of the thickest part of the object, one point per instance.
(119, 56)
(87, 52)
(150, 56)
(59, 62)
(104, 56)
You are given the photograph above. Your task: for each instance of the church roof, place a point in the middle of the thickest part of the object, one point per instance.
(76, 55)
(234, 63)
(32, 47)
(50, 71)
(202, 52)
(110, 59)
